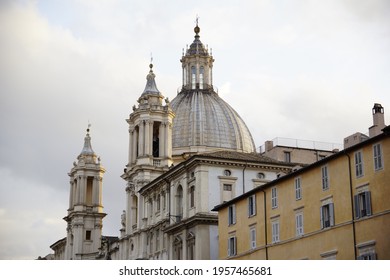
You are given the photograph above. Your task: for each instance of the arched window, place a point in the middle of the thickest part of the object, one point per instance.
(201, 77)
(193, 77)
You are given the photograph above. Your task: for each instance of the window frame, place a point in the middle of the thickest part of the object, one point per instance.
(252, 238)
(377, 156)
(363, 207)
(252, 205)
(274, 197)
(287, 156)
(192, 196)
(275, 231)
(232, 214)
(299, 224)
(359, 166)
(232, 246)
(298, 188)
(327, 211)
(325, 177)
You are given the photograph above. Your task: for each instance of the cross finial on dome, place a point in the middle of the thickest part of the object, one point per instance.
(197, 29)
(151, 61)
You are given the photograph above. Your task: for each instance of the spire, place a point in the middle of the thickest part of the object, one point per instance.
(197, 48)
(151, 87)
(87, 154)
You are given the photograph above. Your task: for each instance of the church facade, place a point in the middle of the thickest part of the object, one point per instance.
(185, 156)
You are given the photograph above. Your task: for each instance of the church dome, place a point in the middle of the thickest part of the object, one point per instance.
(205, 122)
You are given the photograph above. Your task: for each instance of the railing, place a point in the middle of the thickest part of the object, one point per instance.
(304, 144)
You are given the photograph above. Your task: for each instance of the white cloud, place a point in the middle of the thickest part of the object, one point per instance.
(306, 69)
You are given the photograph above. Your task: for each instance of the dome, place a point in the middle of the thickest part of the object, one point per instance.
(202, 118)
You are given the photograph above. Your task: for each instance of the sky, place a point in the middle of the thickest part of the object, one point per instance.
(299, 69)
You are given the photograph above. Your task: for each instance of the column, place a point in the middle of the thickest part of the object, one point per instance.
(162, 140)
(168, 152)
(71, 200)
(78, 190)
(83, 189)
(95, 191)
(134, 152)
(131, 154)
(129, 200)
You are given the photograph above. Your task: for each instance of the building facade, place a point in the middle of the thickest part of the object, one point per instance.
(182, 155)
(335, 208)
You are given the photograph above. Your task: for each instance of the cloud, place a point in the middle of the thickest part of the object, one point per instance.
(306, 69)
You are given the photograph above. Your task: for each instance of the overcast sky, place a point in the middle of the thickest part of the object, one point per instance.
(300, 69)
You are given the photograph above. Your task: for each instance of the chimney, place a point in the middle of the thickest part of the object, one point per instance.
(378, 120)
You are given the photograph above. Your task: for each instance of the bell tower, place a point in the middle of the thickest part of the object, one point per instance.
(150, 149)
(85, 213)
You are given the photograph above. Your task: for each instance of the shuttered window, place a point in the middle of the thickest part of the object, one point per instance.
(327, 215)
(362, 204)
(232, 214)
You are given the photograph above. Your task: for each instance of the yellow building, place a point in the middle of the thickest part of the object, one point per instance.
(335, 208)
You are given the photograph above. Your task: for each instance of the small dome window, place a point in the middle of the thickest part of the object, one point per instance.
(227, 172)
(260, 175)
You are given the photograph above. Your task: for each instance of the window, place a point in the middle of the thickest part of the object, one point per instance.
(227, 172)
(298, 189)
(369, 256)
(227, 187)
(378, 163)
(190, 246)
(89, 190)
(157, 240)
(287, 156)
(179, 203)
(252, 205)
(299, 223)
(362, 204)
(275, 231)
(88, 235)
(327, 215)
(192, 196)
(325, 178)
(358, 164)
(193, 77)
(232, 248)
(201, 74)
(232, 214)
(274, 197)
(252, 238)
(260, 175)
(366, 250)
(158, 203)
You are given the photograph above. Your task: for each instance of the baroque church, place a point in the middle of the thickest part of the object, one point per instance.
(185, 156)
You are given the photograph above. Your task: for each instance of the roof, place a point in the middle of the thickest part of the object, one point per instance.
(220, 156)
(202, 118)
(253, 157)
(386, 133)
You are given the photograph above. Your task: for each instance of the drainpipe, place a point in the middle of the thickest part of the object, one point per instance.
(352, 206)
(265, 224)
